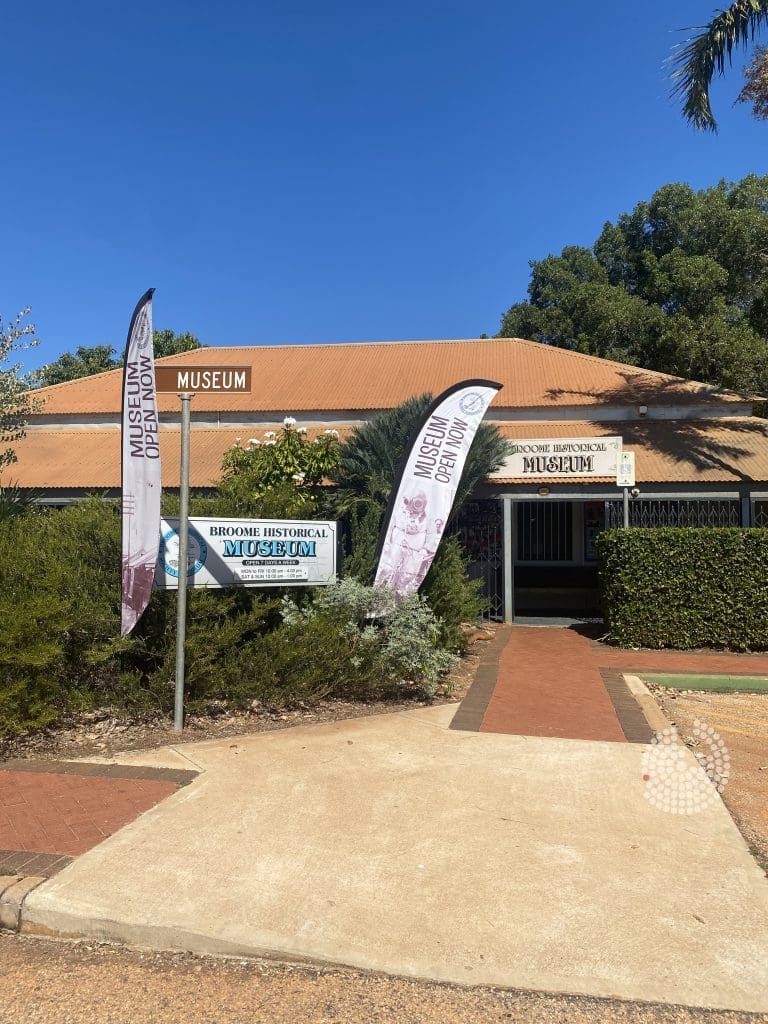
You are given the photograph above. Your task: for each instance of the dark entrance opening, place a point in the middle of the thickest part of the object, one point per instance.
(555, 558)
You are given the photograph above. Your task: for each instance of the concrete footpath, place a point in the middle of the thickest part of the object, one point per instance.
(394, 843)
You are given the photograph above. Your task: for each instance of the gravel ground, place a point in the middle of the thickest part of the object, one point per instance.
(45, 982)
(741, 719)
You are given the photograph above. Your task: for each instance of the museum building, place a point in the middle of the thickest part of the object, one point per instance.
(701, 454)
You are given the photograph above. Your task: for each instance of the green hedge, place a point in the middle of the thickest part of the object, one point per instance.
(685, 588)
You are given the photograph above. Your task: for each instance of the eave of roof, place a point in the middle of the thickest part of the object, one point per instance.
(729, 451)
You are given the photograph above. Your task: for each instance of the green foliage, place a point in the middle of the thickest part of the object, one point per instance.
(83, 363)
(16, 406)
(710, 52)
(755, 89)
(678, 285)
(452, 596)
(88, 360)
(280, 475)
(58, 609)
(59, 622)
(363, 520)
(685, 588)
(16, 501)
(379, 641)
(166, 343)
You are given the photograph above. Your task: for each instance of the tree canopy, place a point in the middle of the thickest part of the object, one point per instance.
(678, 285)
(88, 360)
(710, 51)
(16, 405)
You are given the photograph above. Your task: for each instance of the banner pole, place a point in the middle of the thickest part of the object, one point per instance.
(181, 603)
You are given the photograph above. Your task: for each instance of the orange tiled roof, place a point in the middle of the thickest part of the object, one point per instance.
(728, 451)
(293, 378)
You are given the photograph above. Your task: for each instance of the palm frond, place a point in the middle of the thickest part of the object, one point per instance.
(709, 53)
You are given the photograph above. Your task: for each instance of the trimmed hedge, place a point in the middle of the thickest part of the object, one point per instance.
(685, 588)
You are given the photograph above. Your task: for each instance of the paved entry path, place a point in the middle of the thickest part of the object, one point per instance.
(559, 682)
(52, 811)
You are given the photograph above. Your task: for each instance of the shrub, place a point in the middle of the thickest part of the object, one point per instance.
(59, 607)
(451, 594)
(59, 626)
(687, 587)
(390, 641)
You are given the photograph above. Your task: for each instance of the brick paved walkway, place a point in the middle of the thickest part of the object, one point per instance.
(53, 811)
(552, 682)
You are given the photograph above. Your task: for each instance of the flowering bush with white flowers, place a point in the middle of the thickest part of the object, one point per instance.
(279, 473)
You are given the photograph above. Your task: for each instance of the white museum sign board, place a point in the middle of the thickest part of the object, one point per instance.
(250, 553)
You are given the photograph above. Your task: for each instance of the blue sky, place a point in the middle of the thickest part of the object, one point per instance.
(297, 173)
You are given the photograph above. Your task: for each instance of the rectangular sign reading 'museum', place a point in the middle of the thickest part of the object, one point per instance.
(250, 553)
(563, 457)
(195, 379)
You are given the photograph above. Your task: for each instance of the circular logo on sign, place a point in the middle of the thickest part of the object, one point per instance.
(143, 335)
(472, 403)
(197, 552)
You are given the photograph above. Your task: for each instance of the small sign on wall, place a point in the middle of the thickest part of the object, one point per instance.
(625, 470)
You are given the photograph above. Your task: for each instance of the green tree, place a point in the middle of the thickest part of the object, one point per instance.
(166, 343)
(710, 51)
(16, 405)
(88, 360)
(678, 285)
(83, 363)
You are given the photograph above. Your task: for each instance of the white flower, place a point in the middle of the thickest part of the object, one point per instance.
(270, 442)
(289, 421)
(269, 434)
(301, 430)
(254, 442)
(331, 433)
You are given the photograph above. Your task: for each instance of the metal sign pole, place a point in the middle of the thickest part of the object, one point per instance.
(626, 508)
(181, 603)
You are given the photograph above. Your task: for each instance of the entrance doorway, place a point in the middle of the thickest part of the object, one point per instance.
(555, 558)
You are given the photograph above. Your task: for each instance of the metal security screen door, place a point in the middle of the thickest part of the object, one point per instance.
(479, 529)
(544, 531)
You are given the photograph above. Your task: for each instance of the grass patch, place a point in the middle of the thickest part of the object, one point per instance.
(718, 684)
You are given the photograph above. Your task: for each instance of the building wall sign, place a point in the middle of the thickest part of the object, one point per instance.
(577, 457)
(250, 553)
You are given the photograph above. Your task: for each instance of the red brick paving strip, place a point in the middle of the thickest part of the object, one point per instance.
(44, 812)
(550, 684)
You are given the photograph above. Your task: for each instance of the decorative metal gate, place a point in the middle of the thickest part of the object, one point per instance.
(653, 512)
(480, 530)
(544, 531)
